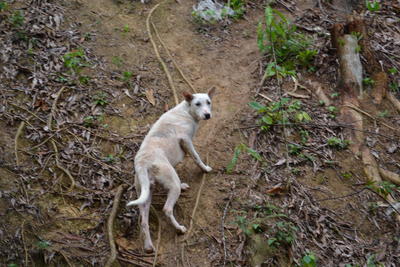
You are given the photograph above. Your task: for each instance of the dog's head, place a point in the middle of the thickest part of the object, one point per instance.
(200, 104)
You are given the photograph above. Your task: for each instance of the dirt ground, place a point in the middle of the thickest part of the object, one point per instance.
(45, 224)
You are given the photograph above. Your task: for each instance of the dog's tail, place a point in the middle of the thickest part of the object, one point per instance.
(144, 181)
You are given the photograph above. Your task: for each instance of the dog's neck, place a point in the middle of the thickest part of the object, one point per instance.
(183, 109)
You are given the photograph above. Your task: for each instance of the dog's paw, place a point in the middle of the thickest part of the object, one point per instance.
(149, 248)
(184, 186)
(207, 169)
(182, 229)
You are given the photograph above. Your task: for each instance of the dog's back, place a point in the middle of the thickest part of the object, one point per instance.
(162, 141)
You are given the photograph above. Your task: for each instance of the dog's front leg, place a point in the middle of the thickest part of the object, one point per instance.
(188, 147)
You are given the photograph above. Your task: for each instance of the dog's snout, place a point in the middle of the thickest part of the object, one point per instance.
(207, 116)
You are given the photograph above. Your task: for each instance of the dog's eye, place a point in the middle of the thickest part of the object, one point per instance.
(208, 102)
(198, 104)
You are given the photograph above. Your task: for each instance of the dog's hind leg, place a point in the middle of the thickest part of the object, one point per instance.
(173, 184)
(144, 217)
(144, 220)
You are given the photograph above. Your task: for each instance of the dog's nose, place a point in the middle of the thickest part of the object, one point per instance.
(207, 116)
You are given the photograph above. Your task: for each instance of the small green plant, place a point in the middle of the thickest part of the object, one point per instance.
(347, 175)
(393, 71)
(371, 262)
(394, 87)
(238, 150)
(372, 6)
(335, 95)
(337, 143)
(126, 76)
(383, 114)
(43, 244)
(333, 111)
(306, 57)
(383, 188)
(358, 49)
(110, 158)
(117, 61)
(3, 5)
(283, 234)
(126, 29)
(278, 37)
(304, 135)
(358, 35)
(17, 19)
(92, 121)
(294, 149)
(309, 260)
(100, 99)
(368, 81)
(75, 61)
(238, 8)
(84, 79)
(280, 112)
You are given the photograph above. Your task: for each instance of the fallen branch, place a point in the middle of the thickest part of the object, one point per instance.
(24, 243)
(17, 135)
(110, 223)
(49, 126)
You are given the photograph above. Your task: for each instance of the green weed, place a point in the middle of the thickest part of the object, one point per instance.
(280, 112)
(277, 36)
(383, 114)
(309, 260)
(117, 61)
(238, 150)
(283, 234)
(368, 81)
(337, 143)
(75, 61)
(372, 6)
(383, 188)
(371, 262)
(17, 19)
(100, 99)
(238, 6)
(126, 76)
(3, 6)
(393, 71)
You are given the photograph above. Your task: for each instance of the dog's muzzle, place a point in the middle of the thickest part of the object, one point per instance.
(207, 116)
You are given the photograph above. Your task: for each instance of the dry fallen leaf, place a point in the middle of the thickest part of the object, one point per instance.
(150, 96)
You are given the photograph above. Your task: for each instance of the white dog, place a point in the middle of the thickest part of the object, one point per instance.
(164, 147)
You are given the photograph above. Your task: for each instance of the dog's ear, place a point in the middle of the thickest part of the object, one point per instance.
(211, 92)
(188, 96)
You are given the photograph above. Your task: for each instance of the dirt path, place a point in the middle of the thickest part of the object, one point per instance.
(224, 63)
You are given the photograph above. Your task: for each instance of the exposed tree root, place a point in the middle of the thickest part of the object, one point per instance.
(394, 100)
(163, 65)
(110, 223)
(390, 176)
(350, 85)
(172, 59)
